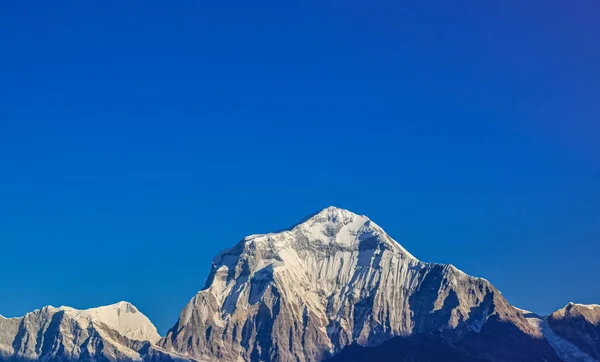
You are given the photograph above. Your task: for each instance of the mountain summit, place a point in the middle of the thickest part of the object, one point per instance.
(342, 227)
(337, 279)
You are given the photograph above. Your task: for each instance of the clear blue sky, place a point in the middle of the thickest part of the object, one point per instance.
(140, 139)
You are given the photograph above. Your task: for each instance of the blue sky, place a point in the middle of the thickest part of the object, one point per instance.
(140, 139)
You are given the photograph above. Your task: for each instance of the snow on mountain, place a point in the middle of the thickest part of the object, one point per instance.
(329, 286)
(122, 317)
(567, 351)
(116, 333)
(580, 325)
(333, 280)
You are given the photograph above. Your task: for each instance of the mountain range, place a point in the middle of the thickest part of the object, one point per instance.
(333, 287)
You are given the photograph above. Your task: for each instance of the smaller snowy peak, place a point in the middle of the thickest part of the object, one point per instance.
(565, 349)
(580, 325)
(116, 332)
(590, 312)
(123, 317)
(571, 308)
(578, 305)
(118, 308)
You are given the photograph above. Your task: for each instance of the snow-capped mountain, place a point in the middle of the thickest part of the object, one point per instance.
(337, 279)
(112, 333)
(334, 286)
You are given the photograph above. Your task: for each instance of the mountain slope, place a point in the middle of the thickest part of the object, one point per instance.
(112, 333)
(8, 330)
(337, 279)
(122, 317)
(579, 324)
(566, 350)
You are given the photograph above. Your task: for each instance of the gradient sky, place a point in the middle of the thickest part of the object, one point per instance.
(138, 139)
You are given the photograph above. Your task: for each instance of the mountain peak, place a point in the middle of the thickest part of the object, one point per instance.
(333, 215)
(589, 306)
(591, 311)
(331, 226)
(330, 213)
(122, 306)
(344, 227)
(332, 280)
(122, 316)
(333, 212)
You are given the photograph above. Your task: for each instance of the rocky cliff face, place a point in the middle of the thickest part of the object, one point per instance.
(580, 325)
(8, 331)
(113, 333)
(333, 280)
